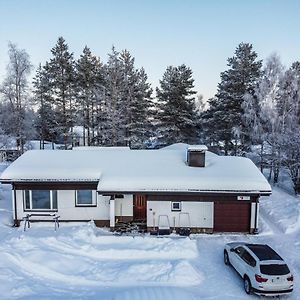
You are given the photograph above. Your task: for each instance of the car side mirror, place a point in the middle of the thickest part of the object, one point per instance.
(232, 250)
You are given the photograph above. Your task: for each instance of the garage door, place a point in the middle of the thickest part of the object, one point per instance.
(232, 216)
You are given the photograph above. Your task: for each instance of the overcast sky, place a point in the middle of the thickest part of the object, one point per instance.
(199, 33)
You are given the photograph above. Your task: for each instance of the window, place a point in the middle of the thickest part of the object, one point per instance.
(176, 206)
(40, 200)
(239, 251)
(85, 198)
(249, 259)
(274, 269)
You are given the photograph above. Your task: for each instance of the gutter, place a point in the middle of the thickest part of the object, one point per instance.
(187, 192)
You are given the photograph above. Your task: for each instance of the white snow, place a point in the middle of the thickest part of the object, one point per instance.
(139, 170)
(80, 261)
(200, 148)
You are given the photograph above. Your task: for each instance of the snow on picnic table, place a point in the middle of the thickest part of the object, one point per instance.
(80, 261)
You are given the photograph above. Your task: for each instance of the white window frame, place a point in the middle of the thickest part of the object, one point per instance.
(39, 209)
(94, 200)
(172, 206)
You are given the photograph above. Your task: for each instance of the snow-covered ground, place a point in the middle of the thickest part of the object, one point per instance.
(80, 261)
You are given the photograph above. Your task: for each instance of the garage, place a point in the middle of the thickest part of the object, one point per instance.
(232, 216)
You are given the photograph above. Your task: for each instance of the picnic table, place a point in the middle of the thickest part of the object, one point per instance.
(52, 216)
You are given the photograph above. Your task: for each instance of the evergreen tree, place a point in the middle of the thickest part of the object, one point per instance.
(61, 70)
(45, 122)
(89, 84)
(224, 117)
(139, 124)
(113, 129)
(176, 116)
(135, 102)
(127, 102)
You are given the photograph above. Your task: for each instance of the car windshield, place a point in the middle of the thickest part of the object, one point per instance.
(274, 269)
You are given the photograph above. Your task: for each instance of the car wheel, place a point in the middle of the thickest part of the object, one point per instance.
(247, 285)
(226, 258)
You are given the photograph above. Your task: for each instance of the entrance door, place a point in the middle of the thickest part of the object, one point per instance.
(139, 208)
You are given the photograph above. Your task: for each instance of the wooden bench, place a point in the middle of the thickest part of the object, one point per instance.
(29, 217)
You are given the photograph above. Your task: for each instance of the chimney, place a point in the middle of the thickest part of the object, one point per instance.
(196, 155)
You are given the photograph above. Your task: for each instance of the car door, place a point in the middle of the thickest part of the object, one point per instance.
(236, 259)
(247, 267)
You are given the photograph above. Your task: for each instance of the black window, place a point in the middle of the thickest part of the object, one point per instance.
(239, 251)
(86, 198)
(176, 206)
(274, 269)
(27, 199)
(249, 259)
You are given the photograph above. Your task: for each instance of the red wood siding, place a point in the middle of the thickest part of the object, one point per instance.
(232, 216)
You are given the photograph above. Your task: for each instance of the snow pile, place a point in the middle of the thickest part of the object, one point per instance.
(282, 209)
(84, 257)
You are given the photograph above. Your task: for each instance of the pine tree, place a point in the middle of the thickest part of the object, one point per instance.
(176, 116)
(135, 102)
(113, 120)
(224, 117)
(61, 70)
(89, 84)
(139, 124)
(45, 122)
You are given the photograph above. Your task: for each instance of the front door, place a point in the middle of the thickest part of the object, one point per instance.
(139, 208)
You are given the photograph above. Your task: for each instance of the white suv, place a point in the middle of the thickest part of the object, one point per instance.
(263, 270)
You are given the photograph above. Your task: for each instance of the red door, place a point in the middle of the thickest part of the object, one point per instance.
(139, 208)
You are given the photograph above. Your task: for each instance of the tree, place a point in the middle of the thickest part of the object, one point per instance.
(113, 120)
(45, 122)
(15, 90)
(139, 125)
(127, 101)
(224, 116)
(177, 115)
(135, 102)
(268, 93)
(288, 107)
(61, 70)
(89, 90)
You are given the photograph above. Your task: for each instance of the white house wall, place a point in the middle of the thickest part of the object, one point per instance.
(67, 211)
(124, 206)
(201, 213)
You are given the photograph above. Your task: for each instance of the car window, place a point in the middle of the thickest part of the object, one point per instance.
(248, 259)
(239, 251)
(274, 269)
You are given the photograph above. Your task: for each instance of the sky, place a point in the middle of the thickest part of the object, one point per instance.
(199, 33)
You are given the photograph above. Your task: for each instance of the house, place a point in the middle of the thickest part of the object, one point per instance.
(177, 184)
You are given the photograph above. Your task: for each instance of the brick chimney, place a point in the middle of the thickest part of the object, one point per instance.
(196, 155)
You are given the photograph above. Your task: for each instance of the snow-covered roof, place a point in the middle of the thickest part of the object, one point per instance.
(139, 171)
(199, 148)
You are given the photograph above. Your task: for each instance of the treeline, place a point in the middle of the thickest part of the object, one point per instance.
(112, 102)
(256, 108)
